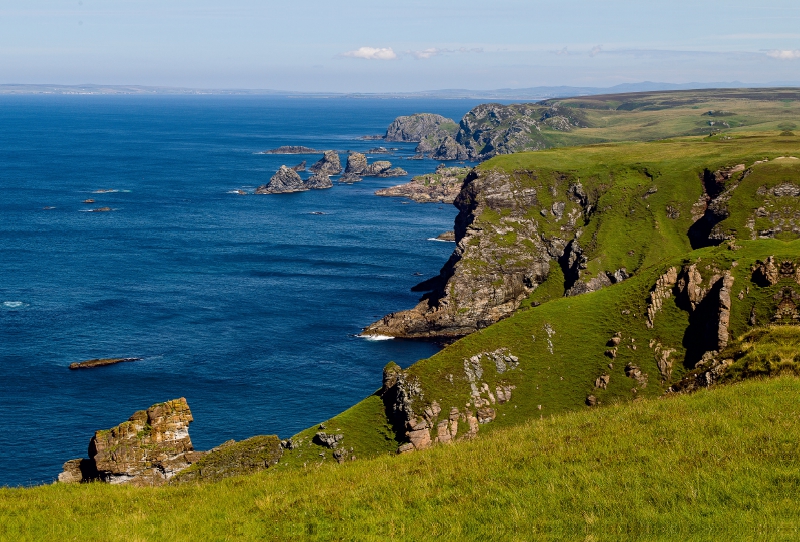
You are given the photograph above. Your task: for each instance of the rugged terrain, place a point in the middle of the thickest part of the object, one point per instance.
(440, 187)
(492, 129)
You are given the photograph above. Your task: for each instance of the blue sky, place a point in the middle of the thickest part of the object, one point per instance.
(378, 46)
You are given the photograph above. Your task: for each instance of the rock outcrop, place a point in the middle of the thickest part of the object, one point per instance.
(424, 423)
(153, 448)
(148, 449)
(356, 164)
(318, 181)
(329, 164)
(285, 180)
(92, 363)
(300, 167)
(292, 149)
(440, 187)
(424, 128)
(487, 277)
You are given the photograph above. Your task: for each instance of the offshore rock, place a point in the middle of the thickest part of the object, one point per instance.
(285, 180)
(356, 164)
(147, 450)
(318, 181)
(329, 164)
(292, 149)
(300, 167)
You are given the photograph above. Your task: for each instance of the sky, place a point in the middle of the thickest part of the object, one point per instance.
(397, 46)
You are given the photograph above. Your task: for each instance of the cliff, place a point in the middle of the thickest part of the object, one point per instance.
(440, 187)
(558, 215)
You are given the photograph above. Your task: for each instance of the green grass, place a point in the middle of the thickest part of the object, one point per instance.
(716, 464)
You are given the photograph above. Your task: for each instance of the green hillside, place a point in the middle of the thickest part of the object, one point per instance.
(719, 463)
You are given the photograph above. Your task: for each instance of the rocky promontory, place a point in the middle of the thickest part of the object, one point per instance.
(440, 187)
(153, 447)
(427, 129)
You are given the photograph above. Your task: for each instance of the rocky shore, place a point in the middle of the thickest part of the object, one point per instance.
(440, 187)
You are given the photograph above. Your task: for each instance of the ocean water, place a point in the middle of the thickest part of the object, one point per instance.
(247, 306)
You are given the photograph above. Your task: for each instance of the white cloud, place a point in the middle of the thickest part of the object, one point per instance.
(372, 53)
(785, 55)
(596, 50)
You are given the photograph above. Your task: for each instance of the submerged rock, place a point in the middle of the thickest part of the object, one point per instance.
(99, 362)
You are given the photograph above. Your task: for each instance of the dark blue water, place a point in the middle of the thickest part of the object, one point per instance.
(245, 305)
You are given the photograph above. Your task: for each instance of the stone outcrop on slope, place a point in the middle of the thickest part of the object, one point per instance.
(442, 186)
(233, 459)
(148, 449)
(329, 164)
(285, 180)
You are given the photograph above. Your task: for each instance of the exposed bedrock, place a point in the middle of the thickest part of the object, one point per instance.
(483, 281)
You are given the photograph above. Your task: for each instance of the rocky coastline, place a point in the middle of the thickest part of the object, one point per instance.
(443, 186)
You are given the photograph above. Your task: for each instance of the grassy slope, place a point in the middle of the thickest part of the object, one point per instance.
(718, 463)
(624, 221)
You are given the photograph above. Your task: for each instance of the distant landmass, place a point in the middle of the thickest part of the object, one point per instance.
(531, 93)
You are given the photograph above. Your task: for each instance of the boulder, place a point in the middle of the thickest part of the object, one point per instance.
(329, 164)
(285, 180)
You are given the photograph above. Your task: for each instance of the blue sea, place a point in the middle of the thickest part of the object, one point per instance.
(248, 306)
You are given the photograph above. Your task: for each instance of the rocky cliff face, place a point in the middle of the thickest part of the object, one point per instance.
(148, 449)
(483, 281)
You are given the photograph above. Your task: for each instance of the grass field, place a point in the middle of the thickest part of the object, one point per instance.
(716, 464)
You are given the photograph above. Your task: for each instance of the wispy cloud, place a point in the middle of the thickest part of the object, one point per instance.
(787, 54)
(436, 51)
(372, 53)
(596, 50)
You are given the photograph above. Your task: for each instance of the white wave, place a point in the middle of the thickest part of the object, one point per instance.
(377, 337)
(14, 304)
(439, 240)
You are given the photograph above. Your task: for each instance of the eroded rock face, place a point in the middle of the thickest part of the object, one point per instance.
(285, 180)
(467, 296)
(425, 424)
(329, 164)
(147, 450)
(233, 459)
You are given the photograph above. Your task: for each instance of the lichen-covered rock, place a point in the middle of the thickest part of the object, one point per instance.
(329, 164)
(285, 180)
(234, 459)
